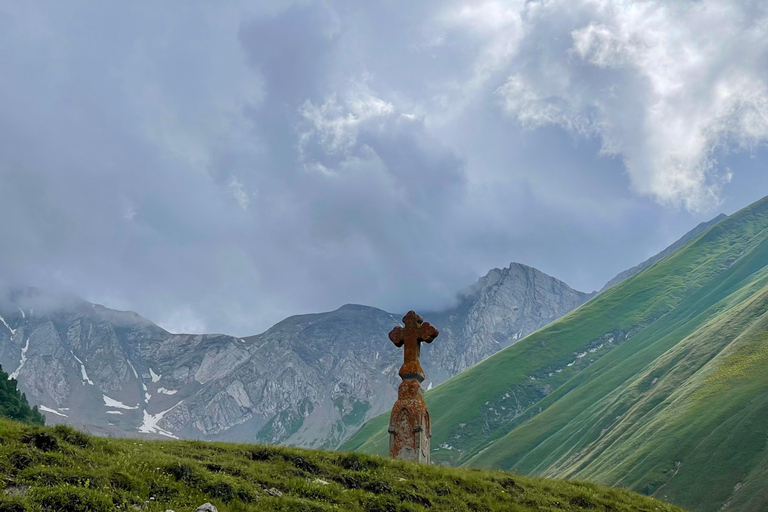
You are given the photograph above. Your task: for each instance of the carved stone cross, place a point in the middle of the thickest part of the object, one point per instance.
(414, 332)
(409, 424)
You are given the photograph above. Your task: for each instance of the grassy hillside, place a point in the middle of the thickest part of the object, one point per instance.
(659, 384)
(60, 470)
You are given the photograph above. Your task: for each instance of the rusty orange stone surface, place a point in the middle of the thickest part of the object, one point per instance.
(409, 425)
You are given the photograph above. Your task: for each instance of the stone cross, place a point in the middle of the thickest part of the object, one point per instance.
(409, 425)
(414, 332)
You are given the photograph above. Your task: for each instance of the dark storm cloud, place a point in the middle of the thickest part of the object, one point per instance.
(219, 167)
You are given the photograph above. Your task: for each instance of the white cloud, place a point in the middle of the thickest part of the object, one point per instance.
(537, 106)
(360, 134)
(495, 31)
(183, 320)
(334, 124)
(239, 193)
(666, 86)
(129, 213)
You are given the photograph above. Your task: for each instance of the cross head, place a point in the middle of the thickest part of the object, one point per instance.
(415, 331)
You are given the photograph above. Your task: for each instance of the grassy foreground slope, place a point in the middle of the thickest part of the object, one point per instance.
(60, 470)
(659, 384)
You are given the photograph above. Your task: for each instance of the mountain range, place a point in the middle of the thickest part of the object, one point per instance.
(310, 380)
(658, 384)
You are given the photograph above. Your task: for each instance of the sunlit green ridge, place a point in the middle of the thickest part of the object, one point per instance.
(658, 384)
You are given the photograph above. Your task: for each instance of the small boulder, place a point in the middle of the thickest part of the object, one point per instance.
(17, 490)
(274, 492)
(206, 507)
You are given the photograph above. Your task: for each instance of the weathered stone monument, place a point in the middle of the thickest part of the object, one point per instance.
(409, 427)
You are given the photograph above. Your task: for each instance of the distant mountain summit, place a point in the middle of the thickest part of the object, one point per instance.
(503, 306)
(310, 380)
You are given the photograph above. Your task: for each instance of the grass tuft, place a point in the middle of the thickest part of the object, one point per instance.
(67, 498)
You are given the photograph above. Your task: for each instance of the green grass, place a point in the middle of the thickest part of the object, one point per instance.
(59, 469)
(669, 399)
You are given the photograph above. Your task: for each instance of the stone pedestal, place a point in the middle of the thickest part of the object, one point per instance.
(409, 427)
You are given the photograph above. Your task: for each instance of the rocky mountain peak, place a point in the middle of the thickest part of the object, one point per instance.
(499, 309)
(517, 275)
(355, 307)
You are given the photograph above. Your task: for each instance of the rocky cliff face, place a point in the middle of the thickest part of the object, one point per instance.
(310, 380)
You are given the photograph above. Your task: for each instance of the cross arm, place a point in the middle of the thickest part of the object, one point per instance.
(427, 333)
(397, 336)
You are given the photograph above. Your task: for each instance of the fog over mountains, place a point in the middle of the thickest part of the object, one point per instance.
(310, 380)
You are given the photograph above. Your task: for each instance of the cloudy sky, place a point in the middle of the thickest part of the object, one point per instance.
(217, 166)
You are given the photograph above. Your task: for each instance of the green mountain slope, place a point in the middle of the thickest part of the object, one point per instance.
(659, 384)
(13, 404)
(61, 470)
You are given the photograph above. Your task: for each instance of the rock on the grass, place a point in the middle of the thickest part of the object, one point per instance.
(17, 490)
(206, 507)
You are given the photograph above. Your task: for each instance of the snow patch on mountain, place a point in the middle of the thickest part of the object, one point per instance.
(149, 425)
(111, 402)
(15, 374)
(52, 411)
(83, 373)
(13, 331)
(133, 368)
